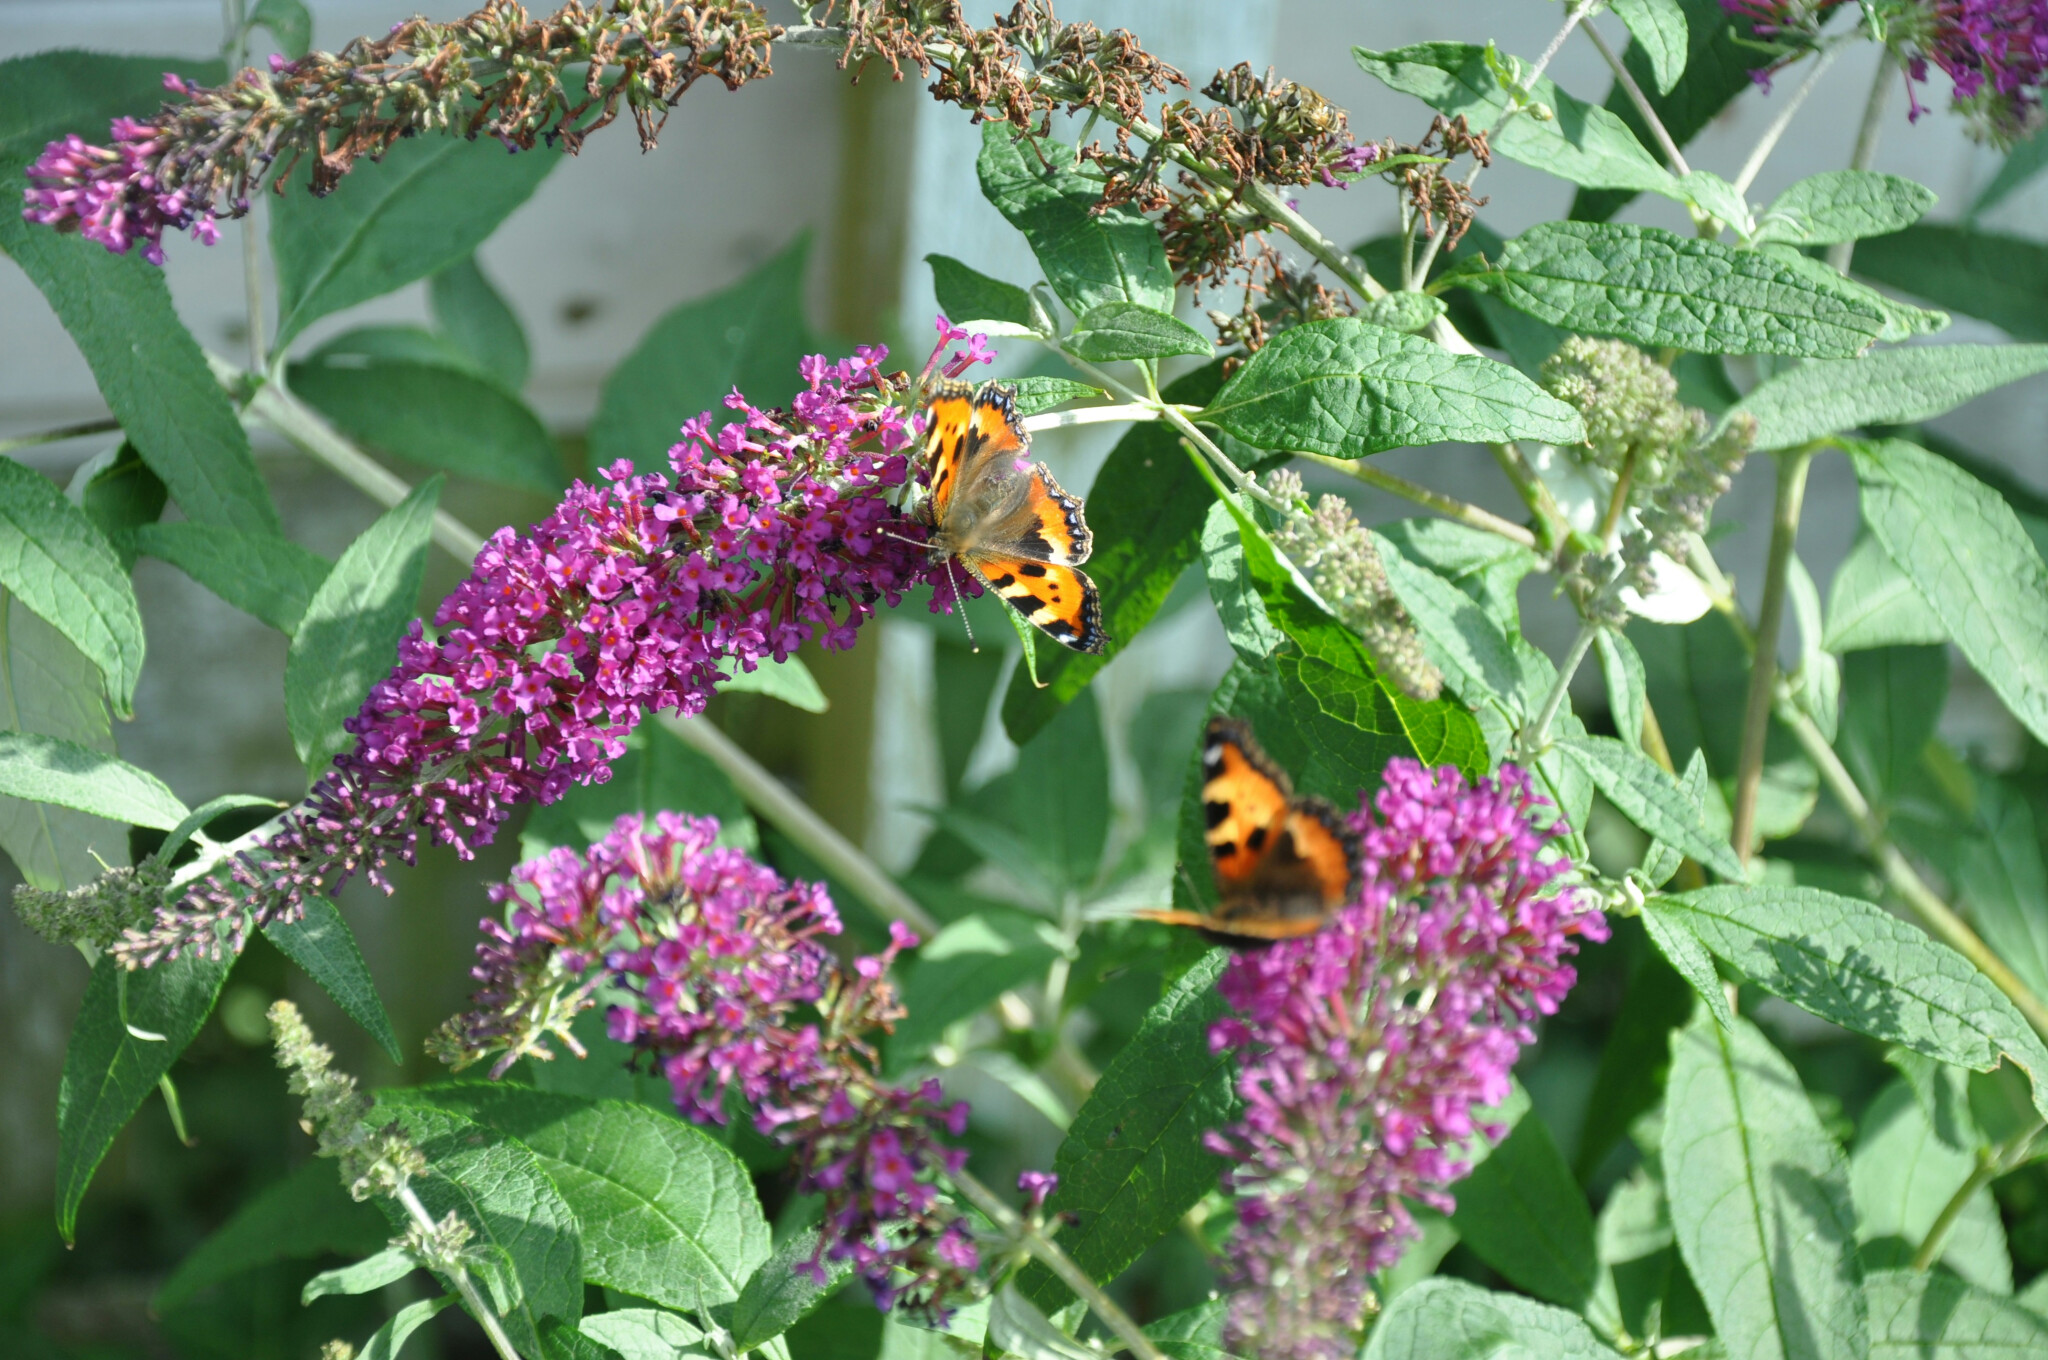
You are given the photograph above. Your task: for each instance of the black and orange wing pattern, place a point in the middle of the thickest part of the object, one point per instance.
(1010, 523)
(1053, 597)
(1284, 864)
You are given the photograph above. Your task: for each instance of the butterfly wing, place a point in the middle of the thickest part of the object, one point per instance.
(948, 442)
(1283, 864)
(1056, 598)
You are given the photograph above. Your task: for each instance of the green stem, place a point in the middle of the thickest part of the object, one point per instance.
(1991, 1164)
(1450, 507)
(1867, 132)
(1552, 528)
(1763, 666)
(1177, 417)
(1048, 1253)
(479, 1307)
(62, 432)
(1925, 904)
(1537, 734)
(1673, 157)
(1768, 143)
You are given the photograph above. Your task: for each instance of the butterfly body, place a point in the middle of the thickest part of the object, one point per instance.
(1284, 863)
(1005, 519)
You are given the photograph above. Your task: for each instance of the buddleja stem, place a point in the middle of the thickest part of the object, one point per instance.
(1768, 143)
(1450, 507)
(465, 1285)
(85, 427)
(1763, 666)
(1991, 1164)
(1673, 157)
(1048, 1253)
(1537, 733)
(1867, 133)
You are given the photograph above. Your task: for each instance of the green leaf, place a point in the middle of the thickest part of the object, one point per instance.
(2000, 279)
(272, 579)
(203, 816)
(433, 414)
(2000, 876)
(1346, 389)
(1059, 794)
(1961, 545)
(1633, 1062)
(1586, 145)
(1719, 57)
(1660, 289)
(52, 770)
(1234, 590)
(1129, 330)
(477, 320)
(1864, 969)
(647, 1334)
(964, 968)
(1017, 1327)
(1886, 387)
(1892, 698)
(361, 1277)
(966, 295)
(1193, 1333)
(1903, 1176)
(1760, 1199)
(291, 24)
(667, 1212)
(109, 1071)
(1642, 792)
(1522, 1213)
(562, 1341)
(789, 680)
(1483, 565)
(1691, 961)
(1036, 395)
(1844, 205)
(349, 636)
(121, 495)
(1929, 1315)
(1403, 311)
(750, 336)
(1659, 30)
(526, 1233)
(2027, 159)
(1902, 321)
(1459, 637)
(1446, 1319)
(117, 308)
(781, 1292)
(1089, 257)
(49, 689)
(58, 563)
(321, 943)
(1622, 670)
(386, 1342)
(428, 203)
(1146, 509)
(305, 1215)
(1871, 603)
(1134, 1160)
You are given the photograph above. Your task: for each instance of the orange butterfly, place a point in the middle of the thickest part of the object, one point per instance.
(1284, 864)
(1007, 521)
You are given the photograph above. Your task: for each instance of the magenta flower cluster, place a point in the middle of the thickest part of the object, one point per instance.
(1364, 1050)
(640, 593)
(734, 998)
(1994, 52)
(116, 195)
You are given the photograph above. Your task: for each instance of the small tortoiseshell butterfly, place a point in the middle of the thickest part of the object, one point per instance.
(1284, 864)
(1007, 521)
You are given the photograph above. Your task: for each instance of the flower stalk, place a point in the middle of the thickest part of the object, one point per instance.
(1991, 1164)
(1763, 666)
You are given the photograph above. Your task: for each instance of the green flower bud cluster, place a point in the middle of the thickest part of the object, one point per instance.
(98, 912)
(1337, 555)
(374, 1161)
(1668, 468)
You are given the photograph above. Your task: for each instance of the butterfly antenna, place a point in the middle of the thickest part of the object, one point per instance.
(960, 607)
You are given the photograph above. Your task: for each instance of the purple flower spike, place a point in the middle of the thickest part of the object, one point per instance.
(642, 592)
(729, 992)
(1365, 1049)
